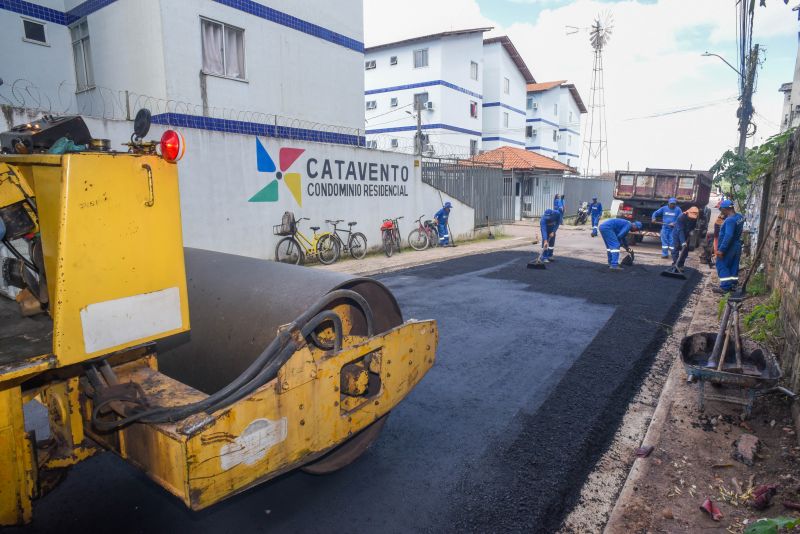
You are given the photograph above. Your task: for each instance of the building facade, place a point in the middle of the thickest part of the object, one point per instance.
(505, 79)
(553, 122)
(436, 80)
(237, 60)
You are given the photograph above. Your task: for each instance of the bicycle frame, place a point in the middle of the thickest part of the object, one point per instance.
(309, 245)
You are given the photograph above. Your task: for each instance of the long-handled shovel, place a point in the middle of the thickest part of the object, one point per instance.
(674, 271)
(537, 263)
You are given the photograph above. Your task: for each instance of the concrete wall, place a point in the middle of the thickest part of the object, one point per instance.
(498, 66)
(153, 48)
(219, 175)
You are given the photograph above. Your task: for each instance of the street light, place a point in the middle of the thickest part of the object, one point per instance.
(707, 54)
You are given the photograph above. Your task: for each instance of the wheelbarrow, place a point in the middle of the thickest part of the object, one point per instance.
(756, 374)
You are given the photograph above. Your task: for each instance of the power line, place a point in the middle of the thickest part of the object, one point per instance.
(695, 107)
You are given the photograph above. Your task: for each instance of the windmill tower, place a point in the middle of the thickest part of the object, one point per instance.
(595, 133)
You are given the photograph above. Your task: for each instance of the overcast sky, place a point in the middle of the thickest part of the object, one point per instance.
(652, 63)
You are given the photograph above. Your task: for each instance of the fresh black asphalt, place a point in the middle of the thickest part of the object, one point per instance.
(534, 371)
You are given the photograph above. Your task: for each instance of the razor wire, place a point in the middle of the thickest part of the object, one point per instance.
(107, 103)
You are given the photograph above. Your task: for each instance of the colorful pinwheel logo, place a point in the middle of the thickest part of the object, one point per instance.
(286, 157)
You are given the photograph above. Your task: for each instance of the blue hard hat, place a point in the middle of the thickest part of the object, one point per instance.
(673, 200)
(448, 205)
(726, 204)
(594, 198)
(638, 225)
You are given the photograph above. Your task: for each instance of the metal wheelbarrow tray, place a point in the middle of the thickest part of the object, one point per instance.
(761, 376)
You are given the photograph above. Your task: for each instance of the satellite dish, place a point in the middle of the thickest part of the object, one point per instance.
(141, 124)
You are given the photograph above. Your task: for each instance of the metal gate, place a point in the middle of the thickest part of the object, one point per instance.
(538, 191)
(482, 187)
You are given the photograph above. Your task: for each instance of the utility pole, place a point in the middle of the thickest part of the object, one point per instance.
(746, 106)
(419, 131)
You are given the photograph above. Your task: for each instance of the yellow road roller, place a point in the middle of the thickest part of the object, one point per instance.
(284, 367)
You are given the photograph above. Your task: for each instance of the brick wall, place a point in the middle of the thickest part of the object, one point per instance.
(782, 250)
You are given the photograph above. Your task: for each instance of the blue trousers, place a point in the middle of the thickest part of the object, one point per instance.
(551, 245)
(728, 267)
(444, 235)
(666, 240)
(595, 222)
(612, 246)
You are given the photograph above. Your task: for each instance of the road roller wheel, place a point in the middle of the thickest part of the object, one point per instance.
(347, 452)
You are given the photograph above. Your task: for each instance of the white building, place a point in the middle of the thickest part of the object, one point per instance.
(192, 59)
(444, 74)
(554, 121)
(505, 78)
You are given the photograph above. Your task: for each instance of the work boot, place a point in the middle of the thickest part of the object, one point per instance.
(551, 259)
(615, 268)
(545, 260)
(719, 290)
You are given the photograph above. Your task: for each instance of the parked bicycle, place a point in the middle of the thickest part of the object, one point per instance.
(296, 247)
(390, 236)
(356, 244)
(424, 236)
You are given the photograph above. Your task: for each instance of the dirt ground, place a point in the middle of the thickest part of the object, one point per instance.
(692, 459)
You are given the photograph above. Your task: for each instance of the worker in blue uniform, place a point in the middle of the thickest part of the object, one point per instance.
(596, 211)
(440, 218)
(729, 248)
(549, 224)
(680, 235)
(614, 232)
(557, 203)
(669, 214)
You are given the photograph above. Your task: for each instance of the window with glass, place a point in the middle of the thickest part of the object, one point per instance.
(473, 70)
(473, 109)
(555, 135)
(393, 60)
(420, 58)
(555, 109)
(473, 147)
(372, 104)
(370, 64)
(529, 131)
(393, 102)
(530, 102)
(34, 31)
(82, 55)
(223, 49)
(505, 120)
(506, 86)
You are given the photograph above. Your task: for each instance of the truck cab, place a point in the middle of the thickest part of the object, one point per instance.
(643, 192)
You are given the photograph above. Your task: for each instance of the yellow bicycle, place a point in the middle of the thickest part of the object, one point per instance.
(296, 247)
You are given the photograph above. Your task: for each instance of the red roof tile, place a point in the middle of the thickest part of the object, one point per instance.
(521, 159)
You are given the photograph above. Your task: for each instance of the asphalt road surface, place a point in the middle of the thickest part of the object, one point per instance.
(534, 371)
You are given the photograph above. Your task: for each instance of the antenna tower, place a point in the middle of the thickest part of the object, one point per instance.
(595, 133)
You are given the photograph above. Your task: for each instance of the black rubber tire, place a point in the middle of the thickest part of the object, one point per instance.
(347, 452)
(388, 243)
(357, 245)
(284, 250)
(328, 250)
(418, 240)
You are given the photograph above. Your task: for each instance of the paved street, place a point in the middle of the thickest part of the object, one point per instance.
(534, 370)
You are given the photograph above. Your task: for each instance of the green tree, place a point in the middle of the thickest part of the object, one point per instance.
(739, 175)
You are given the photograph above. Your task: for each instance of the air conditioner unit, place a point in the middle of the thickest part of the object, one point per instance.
(428, 105)
(534, 133)
(535, 106)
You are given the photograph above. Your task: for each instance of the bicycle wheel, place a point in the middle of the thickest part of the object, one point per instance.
(288, 250)
(327, 250)
(418, 239)
(357, 245)
(388, 244)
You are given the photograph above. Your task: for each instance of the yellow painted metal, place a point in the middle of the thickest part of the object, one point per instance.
(296, 418)
(16, 470)
(103, 238)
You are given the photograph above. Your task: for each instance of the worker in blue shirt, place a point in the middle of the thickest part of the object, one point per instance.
(440, 218)
(680, 235)
(549, 224)
(614, 232)
(557, 202)
(669, 214)
(596, 211)
(729, 248)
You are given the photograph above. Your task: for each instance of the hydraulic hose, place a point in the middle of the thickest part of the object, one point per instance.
(263, 369)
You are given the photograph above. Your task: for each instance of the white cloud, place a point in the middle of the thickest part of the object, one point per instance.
(652, 64)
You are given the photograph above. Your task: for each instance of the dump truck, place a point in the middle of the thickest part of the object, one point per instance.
(642, 192)
(210, 372)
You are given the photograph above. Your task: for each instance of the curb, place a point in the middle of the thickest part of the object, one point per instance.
(640, 466)
(511, 243)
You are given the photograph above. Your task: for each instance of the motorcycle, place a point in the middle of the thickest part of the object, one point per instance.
(583, 214)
